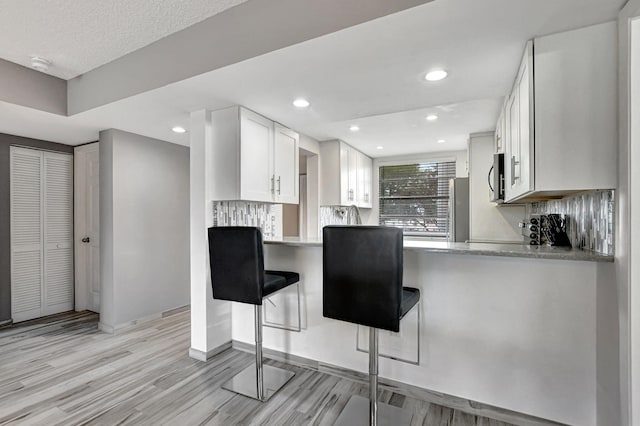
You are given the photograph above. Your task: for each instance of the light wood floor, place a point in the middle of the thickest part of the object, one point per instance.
(63, 371)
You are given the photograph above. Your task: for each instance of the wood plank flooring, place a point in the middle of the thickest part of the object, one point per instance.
(63, 371)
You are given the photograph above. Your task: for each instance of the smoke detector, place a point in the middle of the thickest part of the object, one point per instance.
(40, 64)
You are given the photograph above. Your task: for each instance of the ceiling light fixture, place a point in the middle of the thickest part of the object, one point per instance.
(354, 128)
(379, 147)
(179, 129)
(40, 64)
(435, 75)
(301, 103)
(432, 117)
(441, 141)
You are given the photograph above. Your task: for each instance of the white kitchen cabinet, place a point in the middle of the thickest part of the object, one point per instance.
(252, 158)
(560, 118)
(285, 156)
(346, 175)
(364, 180)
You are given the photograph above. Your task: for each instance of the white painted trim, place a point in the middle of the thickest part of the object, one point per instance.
(115, 329)
(627, 248)
(205, 356)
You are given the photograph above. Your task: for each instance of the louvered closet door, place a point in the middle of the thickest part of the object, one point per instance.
(26, 234)
(41, 233)
(58, 233)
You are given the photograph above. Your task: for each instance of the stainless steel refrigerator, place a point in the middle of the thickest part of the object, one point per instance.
(458, 210)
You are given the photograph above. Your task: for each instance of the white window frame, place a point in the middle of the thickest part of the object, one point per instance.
(404, 162)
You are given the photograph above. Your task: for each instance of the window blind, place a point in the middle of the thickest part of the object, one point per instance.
(415, 197)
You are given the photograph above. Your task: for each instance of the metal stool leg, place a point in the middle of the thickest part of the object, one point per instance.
(373, 376)
(258, 381)
(355, 412)
(259, 365)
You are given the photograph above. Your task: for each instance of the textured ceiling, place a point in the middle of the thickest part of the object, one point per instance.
(80, 35)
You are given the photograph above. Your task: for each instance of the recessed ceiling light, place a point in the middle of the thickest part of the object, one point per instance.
(354, 128)
(178, 129)
(441, 141)
(432, 117)
(301, 103)
(379, 147)
(435, 75)
(40, 64)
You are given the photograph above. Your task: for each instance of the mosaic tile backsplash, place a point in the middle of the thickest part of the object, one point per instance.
(267, 217)
(337, 215)
(590, 219)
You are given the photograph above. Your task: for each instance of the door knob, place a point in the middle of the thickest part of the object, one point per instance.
(86, 240)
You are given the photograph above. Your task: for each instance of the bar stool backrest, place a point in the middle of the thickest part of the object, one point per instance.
(362, 281)
(237, 263)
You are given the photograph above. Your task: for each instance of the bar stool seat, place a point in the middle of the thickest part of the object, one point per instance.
(238, 275)
(410, 297)
(277, 280)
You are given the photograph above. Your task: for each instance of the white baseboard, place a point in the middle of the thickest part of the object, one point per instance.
(204, 356)
(115, 329)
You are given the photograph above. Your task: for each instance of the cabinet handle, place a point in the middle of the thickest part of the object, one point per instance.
(350, 195)
(272, 184)
(366, 198)
(513, 170)
(278, 185)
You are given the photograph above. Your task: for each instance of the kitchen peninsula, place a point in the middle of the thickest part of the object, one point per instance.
(495, 327)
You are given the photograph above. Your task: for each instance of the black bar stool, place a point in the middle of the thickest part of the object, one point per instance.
(238, 275)
(363, 285)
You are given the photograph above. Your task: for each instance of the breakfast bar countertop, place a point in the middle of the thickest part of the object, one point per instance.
(482, 249)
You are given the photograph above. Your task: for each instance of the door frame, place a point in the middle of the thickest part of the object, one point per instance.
(79, 229)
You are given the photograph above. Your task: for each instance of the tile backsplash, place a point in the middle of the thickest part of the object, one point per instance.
(590, 219)
(267, 217)
(337, 215)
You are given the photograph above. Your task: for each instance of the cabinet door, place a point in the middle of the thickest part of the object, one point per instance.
(522, 142)
(257, 181)
(286, 165)
(365, 169)
(345, 189)
(353, 176)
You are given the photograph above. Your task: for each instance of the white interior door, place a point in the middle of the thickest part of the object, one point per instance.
(41, 233)
(26, 234)
(87, 229)
(58, 233)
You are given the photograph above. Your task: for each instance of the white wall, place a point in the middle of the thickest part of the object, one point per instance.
(487, 221)
(370, 216)
(144, 229)
(509, 332)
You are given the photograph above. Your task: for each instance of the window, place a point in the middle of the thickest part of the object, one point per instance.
(415, 197)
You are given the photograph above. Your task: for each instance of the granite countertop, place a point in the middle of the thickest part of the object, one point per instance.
(482, 249)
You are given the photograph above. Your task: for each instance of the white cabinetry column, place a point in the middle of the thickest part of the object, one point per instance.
(210, 320)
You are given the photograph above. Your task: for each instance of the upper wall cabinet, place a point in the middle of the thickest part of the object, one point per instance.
(346, 175)
(558, 125)
(252, 158)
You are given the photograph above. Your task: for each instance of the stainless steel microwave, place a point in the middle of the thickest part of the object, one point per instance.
(496, 179)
